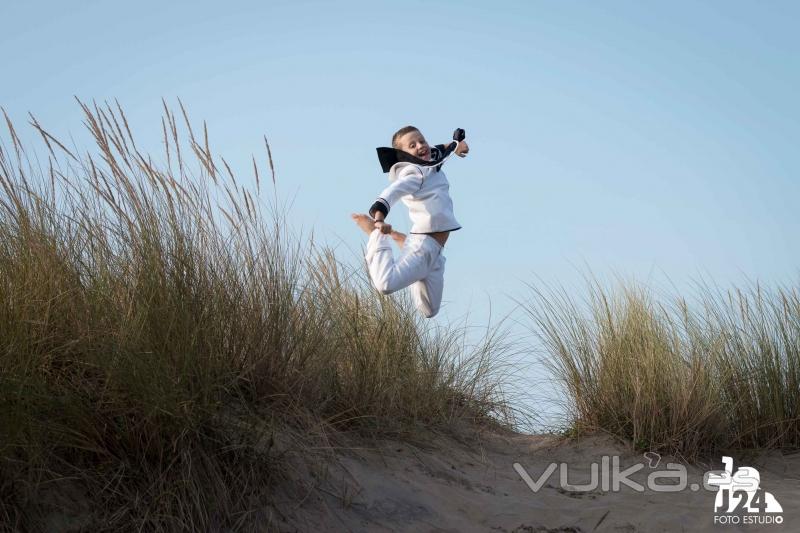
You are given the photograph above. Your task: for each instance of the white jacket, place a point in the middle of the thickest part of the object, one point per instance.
(426, 193)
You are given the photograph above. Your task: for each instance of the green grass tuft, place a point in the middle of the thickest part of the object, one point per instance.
(720, 374)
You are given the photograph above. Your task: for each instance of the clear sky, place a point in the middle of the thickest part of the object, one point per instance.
(651, 141)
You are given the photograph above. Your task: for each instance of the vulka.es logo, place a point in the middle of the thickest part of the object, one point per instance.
(740, 500)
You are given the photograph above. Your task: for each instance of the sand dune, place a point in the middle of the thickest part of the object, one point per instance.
(451, 485)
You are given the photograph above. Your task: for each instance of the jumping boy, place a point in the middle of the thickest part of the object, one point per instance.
(417, 179)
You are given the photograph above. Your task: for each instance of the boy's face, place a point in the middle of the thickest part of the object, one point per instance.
(415, 144)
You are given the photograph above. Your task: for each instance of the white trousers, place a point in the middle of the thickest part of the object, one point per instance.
(420, 267)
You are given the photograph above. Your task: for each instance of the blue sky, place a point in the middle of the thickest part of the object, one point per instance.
(649, 141)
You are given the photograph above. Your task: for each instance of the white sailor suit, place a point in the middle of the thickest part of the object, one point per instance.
(424, 189)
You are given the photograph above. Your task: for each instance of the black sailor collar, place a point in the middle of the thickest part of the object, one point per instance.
(389, 156)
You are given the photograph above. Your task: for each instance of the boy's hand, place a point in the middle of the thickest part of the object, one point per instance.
(383, 226)
(462, 149)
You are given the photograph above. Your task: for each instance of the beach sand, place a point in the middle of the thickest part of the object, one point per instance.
(446, 484)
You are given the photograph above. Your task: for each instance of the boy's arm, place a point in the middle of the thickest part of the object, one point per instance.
(409, 180)
(461, 150)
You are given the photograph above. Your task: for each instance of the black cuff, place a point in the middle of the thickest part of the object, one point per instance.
(379, 205)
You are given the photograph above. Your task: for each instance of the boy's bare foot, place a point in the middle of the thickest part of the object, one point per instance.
(399, 238)
(364, 222)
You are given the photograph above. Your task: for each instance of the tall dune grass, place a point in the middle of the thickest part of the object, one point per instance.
(720, 373)
(170, 349)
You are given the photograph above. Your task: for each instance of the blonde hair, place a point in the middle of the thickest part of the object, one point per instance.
(399, 133)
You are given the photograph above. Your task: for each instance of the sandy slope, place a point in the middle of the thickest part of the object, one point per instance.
(447, 485)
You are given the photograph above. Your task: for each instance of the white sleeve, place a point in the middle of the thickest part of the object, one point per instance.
(409, 181)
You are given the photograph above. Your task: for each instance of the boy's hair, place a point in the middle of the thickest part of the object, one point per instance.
(399, 133)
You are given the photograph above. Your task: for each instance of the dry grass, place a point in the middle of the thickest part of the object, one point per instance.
(722, 373)
(169, 351)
